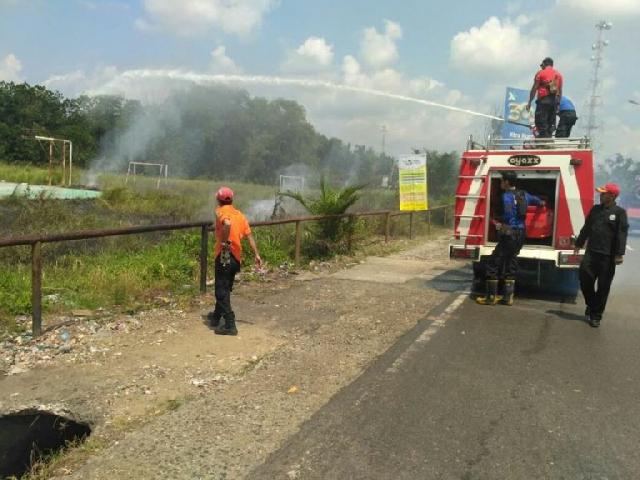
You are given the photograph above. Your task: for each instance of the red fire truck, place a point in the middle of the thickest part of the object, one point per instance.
(559, 171)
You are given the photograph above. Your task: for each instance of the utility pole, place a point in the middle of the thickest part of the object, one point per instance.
(596, 58)
(383, 129)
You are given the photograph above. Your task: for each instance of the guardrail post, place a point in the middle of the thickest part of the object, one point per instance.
(351, 227)
(36, 289)
(411, 225)
(298, 240)
(387, 225)
(204, 254)
(428, 222)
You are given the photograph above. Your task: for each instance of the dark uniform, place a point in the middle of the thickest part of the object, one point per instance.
(503, 262)
(605, 232)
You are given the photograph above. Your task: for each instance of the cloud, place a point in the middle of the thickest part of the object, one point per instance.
(10, 68)
(379, 49)
(315, 54)
(497, 47)
(192, 17)
(221, 63)
(602, 8)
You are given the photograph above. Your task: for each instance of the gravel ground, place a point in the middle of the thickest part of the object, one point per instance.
(169, 399)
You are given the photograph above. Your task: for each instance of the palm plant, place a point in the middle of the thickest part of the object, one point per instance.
(331, 232)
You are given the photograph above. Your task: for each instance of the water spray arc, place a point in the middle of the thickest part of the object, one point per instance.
(203, 79)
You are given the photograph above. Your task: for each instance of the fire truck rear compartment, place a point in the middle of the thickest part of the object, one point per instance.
(540, 221)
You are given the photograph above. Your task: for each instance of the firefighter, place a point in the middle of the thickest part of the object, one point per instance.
(547, 87)
(605, 233)
(503, 262)
(231, 227)
(568, 117)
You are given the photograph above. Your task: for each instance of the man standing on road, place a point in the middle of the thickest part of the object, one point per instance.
(568, 118)
(547, 86)
(503, 262)
(605, 232)
(231, 227)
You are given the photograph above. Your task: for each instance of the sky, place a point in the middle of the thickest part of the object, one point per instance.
(463, 54)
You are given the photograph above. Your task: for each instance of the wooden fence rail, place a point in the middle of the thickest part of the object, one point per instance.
(36, 241)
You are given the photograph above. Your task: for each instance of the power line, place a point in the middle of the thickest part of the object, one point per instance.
(596, 58)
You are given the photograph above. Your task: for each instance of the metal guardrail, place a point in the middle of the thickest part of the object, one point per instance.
(498, 143)
(36, 241)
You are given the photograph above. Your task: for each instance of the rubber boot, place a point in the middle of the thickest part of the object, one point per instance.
(214, 318)
(509, 290)
(491, 298)
(229, 327)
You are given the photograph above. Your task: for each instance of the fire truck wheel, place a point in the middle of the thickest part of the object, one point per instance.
(479, 278)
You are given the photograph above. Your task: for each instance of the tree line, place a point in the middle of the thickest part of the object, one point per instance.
(210, 132)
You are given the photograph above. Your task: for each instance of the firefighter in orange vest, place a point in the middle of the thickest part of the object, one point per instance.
(503, 262)
(231, 227)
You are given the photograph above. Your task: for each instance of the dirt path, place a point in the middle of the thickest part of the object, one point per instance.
(169, 399)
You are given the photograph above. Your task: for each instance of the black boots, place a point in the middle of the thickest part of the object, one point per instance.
(491, 298)
(509, 290)
(214, 318)
(229, 327)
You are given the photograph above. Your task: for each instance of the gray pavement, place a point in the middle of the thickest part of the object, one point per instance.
(523, 392)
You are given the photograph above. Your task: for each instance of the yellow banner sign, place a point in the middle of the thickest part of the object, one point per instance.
(413, 182)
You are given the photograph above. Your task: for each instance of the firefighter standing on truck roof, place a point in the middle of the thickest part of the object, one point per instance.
(547, 86)
(605, 232)
(503, 262)
(231, 227)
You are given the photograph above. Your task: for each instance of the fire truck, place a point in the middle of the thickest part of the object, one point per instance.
(559, 171)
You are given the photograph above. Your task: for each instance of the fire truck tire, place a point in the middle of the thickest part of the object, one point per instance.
(479, 278)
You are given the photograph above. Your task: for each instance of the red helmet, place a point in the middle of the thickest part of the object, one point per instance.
(225, 194)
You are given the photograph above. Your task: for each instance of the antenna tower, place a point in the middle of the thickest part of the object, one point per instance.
(596, 58)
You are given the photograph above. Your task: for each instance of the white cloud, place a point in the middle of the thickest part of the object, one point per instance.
(602, 8)
(192, 17)
(315, 54)
(10, 68)
(221, 63)
(497, 47)
(379, 49)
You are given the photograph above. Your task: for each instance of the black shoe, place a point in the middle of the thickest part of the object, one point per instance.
(214, 319)
(587, 314)
(595, 322)
(224, 330)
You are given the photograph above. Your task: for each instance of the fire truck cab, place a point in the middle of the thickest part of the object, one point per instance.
(560, 172)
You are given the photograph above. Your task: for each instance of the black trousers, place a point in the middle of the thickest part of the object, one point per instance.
(503, 262)
(596, 267)
(225, 276)
(568, 119)
(545, 118)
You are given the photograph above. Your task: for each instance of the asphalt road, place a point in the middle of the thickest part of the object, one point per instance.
(523, 392)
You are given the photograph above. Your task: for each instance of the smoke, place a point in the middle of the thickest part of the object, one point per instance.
(118, 148)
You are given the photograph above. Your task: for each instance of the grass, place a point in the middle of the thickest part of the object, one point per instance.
(127, 273)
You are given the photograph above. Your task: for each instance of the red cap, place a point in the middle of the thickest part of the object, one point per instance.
(609, 188)
(225, 194)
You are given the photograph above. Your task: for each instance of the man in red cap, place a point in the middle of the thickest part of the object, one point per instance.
(231, 227)
(605, 232)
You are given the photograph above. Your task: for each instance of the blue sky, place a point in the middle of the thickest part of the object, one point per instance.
(462, 53)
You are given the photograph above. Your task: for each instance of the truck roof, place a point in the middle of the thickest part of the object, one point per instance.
(528, 144)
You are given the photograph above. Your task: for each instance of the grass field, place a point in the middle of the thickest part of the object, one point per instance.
(127, 273)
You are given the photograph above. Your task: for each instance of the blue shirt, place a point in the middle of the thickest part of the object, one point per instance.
(510, 208)
(566, 104)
